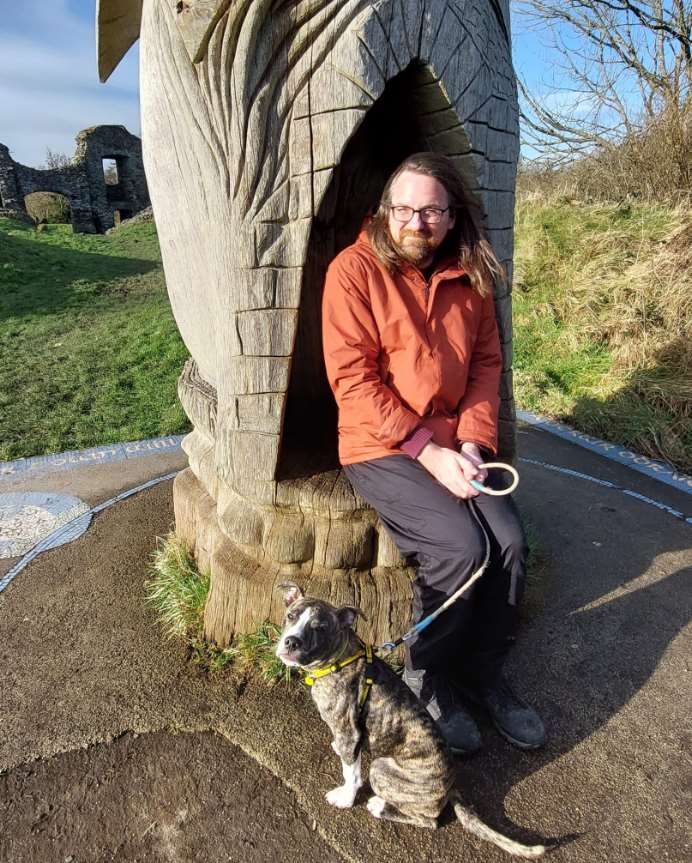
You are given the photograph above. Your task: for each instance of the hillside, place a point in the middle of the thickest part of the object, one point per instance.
(89, 351)
(603, 320)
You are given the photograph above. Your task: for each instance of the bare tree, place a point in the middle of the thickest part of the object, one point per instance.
(625, 66)
(56, 160)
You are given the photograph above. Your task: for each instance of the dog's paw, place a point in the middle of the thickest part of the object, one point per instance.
(341, 797)
(376, 806)
(334, 747)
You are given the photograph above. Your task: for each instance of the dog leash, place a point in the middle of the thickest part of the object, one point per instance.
(368, 650)
(500, 465)
(417, 628)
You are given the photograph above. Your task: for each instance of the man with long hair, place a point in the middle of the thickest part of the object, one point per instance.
(413, 357)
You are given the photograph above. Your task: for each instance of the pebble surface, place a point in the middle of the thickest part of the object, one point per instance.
(28, 517)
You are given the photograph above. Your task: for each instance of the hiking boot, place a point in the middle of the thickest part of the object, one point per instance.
(511, 715)
(453, 722)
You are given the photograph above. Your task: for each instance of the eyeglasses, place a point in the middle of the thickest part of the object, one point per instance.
(429, 215)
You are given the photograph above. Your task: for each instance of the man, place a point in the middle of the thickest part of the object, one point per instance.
(413, 358)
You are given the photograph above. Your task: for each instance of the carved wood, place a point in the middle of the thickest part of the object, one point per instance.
(269, 130)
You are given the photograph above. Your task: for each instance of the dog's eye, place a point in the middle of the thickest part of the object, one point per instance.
(291, 616)
(319, 624)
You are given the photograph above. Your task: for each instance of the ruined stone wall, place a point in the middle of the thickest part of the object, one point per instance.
(92, 201)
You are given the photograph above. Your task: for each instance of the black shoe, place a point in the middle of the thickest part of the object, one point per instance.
(437, 696)
(513, 718)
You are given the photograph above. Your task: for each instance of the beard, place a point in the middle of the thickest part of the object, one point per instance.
(414, 246)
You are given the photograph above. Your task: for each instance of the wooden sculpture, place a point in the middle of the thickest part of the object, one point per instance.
(268, 131)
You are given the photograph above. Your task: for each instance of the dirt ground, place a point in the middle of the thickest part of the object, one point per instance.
(113, 747)
(153, 798)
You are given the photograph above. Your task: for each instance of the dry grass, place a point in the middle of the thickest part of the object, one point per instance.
(653, 165)
(606, 291)
(48, 207)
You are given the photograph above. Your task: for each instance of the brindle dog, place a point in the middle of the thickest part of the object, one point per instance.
(411, 771)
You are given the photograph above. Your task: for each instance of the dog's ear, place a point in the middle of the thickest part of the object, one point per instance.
(291, 592)
(348, 614)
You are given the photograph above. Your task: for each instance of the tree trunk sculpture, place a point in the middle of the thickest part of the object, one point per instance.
(269, 129)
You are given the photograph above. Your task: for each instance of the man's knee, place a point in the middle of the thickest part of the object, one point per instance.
(515, 551)
(468, 556)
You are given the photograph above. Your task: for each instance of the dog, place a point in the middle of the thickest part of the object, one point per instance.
(411, 771)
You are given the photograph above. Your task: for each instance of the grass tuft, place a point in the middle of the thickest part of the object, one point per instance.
(176, 589)
(178, 592)
(256, 650)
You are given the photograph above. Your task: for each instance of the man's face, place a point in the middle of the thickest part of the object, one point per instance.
(416, 240)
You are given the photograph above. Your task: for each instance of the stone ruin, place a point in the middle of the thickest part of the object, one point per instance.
(94, 204)
(269, 129)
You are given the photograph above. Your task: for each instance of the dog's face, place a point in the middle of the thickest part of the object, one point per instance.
(313, 630)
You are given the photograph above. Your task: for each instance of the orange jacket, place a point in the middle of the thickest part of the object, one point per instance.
(402, 353)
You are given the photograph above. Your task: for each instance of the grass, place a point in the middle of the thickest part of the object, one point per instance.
(178, 592)
(89, 349)
(90, 353)
(603, 321)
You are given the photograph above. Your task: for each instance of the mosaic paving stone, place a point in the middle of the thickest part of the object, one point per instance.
(28, 517)
(94, 455)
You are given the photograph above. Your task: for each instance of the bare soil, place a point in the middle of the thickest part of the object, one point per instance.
(154, 797)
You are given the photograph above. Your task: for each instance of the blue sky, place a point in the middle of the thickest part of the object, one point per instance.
(49, 87)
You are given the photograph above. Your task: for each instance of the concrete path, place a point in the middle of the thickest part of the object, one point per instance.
(113, 747)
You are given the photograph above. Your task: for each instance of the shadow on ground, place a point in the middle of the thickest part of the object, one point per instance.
(616, 598)
(41, 278)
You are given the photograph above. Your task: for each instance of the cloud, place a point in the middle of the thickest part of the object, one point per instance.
(49, 87)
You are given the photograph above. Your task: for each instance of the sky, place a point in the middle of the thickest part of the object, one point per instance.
(49, 86)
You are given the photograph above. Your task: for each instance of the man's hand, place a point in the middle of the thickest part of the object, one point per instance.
(451, 469)
(472, 451)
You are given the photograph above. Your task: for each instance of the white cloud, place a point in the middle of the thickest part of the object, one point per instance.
(49, 87)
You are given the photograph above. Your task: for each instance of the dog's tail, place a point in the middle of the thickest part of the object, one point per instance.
(474, 825)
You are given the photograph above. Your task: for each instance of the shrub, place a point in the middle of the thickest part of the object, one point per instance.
(48, 207)
(654, 165)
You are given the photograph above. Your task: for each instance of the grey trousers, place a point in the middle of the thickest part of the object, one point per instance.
(437, 532)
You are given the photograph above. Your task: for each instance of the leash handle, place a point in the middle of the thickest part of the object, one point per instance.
(489, 465)
(422, 624)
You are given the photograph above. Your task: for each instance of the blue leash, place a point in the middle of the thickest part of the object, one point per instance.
(417, 628)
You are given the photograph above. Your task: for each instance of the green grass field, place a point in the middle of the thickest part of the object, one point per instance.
(90, 354)
(89, 350)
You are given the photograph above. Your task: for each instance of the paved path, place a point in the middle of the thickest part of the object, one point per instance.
(113, 747)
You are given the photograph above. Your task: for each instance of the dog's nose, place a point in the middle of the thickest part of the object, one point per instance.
(292, 643)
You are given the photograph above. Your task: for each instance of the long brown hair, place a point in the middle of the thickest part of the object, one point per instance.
(465, 240)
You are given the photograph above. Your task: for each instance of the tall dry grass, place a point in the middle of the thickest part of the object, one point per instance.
(606, 289)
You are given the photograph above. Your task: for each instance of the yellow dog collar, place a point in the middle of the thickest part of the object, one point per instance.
(309, 679)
